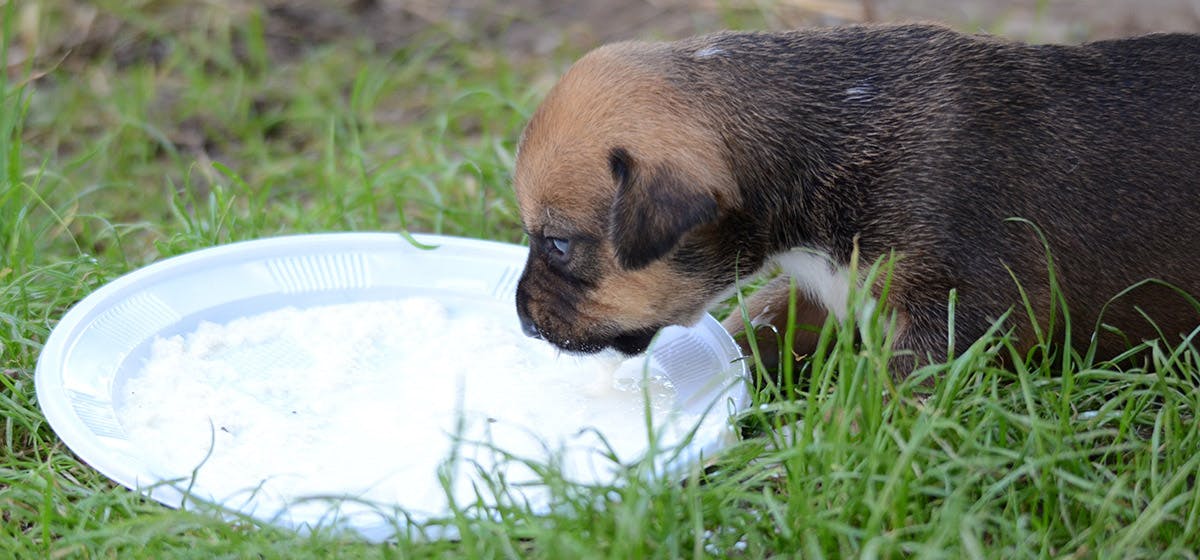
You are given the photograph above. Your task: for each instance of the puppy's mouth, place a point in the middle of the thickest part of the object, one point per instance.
(634, 342)
(558, 323)
(629, 343)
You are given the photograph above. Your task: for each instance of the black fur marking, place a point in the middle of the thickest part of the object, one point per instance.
(634, 342)
(618, 163)
(653, 209)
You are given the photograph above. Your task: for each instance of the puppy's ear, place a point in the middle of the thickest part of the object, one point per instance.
(653, 209)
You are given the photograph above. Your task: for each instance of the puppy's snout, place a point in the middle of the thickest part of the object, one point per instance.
(529, 328)
(527, 325)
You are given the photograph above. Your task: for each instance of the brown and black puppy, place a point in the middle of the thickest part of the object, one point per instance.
(656, 174)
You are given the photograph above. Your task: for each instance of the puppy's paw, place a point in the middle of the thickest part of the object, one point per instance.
(767, 312)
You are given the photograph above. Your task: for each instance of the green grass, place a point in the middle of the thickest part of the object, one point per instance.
(107, 164)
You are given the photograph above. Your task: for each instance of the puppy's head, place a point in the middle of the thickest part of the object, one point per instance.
(622, 188)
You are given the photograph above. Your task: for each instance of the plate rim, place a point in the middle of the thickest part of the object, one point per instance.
(54, 401)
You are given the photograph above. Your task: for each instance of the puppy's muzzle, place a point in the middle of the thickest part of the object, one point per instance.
(529, 327)
(574, 339)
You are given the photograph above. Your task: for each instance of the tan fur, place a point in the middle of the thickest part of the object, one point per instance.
(641, 298)
(612, 96)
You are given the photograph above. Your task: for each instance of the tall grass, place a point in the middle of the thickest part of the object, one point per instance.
(108, 165)
(1051, 457)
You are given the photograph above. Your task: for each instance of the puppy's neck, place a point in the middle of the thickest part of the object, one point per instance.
(809, 119)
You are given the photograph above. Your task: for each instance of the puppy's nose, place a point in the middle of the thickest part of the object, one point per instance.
(529, 328)
(527, 325)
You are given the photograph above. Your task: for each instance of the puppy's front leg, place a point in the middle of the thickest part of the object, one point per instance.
(767, 310)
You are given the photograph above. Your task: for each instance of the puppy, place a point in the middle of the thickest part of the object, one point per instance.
(655, 175)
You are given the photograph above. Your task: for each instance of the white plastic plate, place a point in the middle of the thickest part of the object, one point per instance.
(104, 340)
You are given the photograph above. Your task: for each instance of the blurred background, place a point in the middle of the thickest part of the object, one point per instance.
(537, 27)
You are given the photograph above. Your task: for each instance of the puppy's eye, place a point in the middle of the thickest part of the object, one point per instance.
(558, 246)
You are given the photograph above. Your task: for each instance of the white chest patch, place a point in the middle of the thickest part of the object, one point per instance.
(819, 277)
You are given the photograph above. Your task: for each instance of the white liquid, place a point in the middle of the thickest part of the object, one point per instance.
(362, 399)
